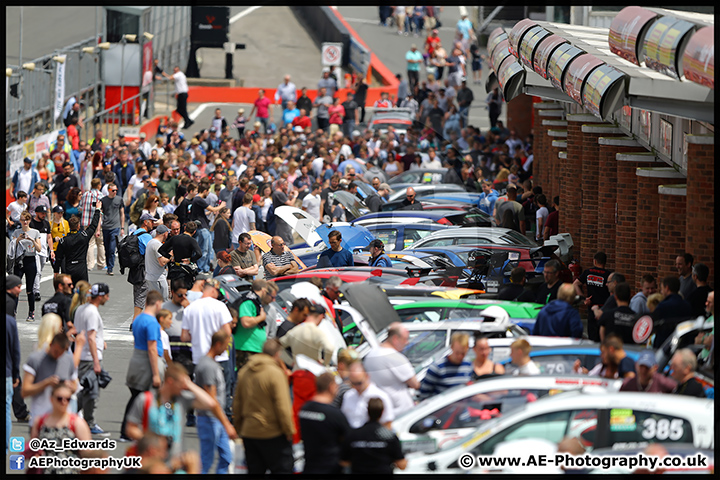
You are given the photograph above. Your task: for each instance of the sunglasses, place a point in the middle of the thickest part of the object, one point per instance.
(62, 399)
(68, 284)
(357, 384)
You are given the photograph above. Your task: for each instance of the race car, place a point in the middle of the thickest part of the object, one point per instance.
(458, 411)
(597, 418)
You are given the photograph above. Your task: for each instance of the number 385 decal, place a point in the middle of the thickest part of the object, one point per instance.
(663, 429)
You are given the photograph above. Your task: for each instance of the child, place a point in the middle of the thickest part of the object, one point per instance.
(165, 319)
(240, 123)
(476, 64)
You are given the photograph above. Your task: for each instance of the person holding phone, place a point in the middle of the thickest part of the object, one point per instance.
(25, 246)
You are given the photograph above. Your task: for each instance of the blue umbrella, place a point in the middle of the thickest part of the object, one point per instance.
(353, 236)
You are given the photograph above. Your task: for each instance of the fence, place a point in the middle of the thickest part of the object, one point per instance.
(31, 114)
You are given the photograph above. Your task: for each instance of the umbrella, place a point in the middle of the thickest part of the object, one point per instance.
(353, 236)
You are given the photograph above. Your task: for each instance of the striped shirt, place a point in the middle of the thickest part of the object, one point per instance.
(87, 206)
(278, 260)
(443, 375)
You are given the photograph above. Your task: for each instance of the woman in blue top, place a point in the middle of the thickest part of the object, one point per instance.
(72, 203)
(378, 257)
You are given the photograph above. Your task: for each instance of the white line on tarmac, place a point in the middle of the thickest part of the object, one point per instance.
(42, 279)
(200, 108)
(238, 16)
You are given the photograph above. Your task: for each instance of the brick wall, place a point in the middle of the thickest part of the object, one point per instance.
(648, 212)
(571, 180)
(627, 195)
(608, 199)
(558, 143)
(542, 143)
(673, 217)
(519, 115)
(700, 228)
(590, 176)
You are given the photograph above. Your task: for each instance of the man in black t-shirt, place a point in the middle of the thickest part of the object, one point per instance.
(682, 368)
(325, 205)
(620, 320)
(60, 302)
(351, 115)
(298, 313)
(323, 428)
(372, 448)
(197, 214)
(515, 290)
(547, 292)
(595, 279)
(410, 202)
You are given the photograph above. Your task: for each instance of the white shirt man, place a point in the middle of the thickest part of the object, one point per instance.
(243, 220)
(391, 371)
(311, 202)
(181, 85)
(202, 318)
(355, 401)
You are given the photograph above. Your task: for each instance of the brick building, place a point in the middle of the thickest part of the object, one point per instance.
(633, 160)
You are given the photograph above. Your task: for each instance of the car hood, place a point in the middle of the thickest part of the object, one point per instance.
(350, 202)
(303, 223)
(372, 303)
(353, 236)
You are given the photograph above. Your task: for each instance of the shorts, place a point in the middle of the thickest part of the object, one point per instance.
(140, 294)
(476, 65)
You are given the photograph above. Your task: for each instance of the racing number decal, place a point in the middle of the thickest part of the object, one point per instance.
(551, 368)
(663, 429)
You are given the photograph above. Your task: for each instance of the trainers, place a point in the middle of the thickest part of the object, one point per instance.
(30, 317)
(37, 296)
(124, 439)
(109, 272)
(96, 430)
(190, 422)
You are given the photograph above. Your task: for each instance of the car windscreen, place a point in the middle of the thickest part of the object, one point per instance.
(514, 238)
(381, 125)
(423, 346)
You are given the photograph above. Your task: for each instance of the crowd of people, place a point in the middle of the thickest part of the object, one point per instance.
(178, 211)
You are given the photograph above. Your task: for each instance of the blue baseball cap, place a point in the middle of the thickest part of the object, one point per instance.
(647, 358)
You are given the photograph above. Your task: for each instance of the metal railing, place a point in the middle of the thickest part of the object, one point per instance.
(31, 114)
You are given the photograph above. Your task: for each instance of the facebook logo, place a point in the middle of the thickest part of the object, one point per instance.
(17, 462)
(17, 444)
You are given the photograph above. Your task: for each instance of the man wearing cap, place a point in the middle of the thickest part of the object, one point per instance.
(39, 222)
(88, 320)
(647, 378)
(155, 272)
(25, 178)
(136, 277)
(13, 287)
(87, 205)
(72, 249)
(378, 257)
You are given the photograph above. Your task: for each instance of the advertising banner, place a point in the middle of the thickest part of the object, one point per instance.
(625, 31)
(59, 87)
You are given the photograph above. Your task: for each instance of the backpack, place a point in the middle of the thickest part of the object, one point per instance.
(129, 252)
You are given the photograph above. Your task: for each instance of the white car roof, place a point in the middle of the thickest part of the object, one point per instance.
(507, 382)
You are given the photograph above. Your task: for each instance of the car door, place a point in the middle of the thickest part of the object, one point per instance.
(552, 426)
(460, 417)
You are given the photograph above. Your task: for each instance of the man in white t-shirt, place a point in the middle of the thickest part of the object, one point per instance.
(202, 318)
(181, 93)
(390, 370)
(355, 400)
(88, 320)
(520, 358)
(541, 216)
(311, 202)
(243, 219)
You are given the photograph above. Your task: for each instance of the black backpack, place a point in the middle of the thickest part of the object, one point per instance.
(129, 253)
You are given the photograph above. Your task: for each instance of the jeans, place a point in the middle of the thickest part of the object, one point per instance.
(212, 435)
(85, 402)
(264, 121)
(40, 262)
(205, 241)
(8, 407)
(110, 241)
(348, 128)
(464, 112)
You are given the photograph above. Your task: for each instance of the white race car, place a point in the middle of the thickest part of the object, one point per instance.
(459, 411)
(596, 418)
